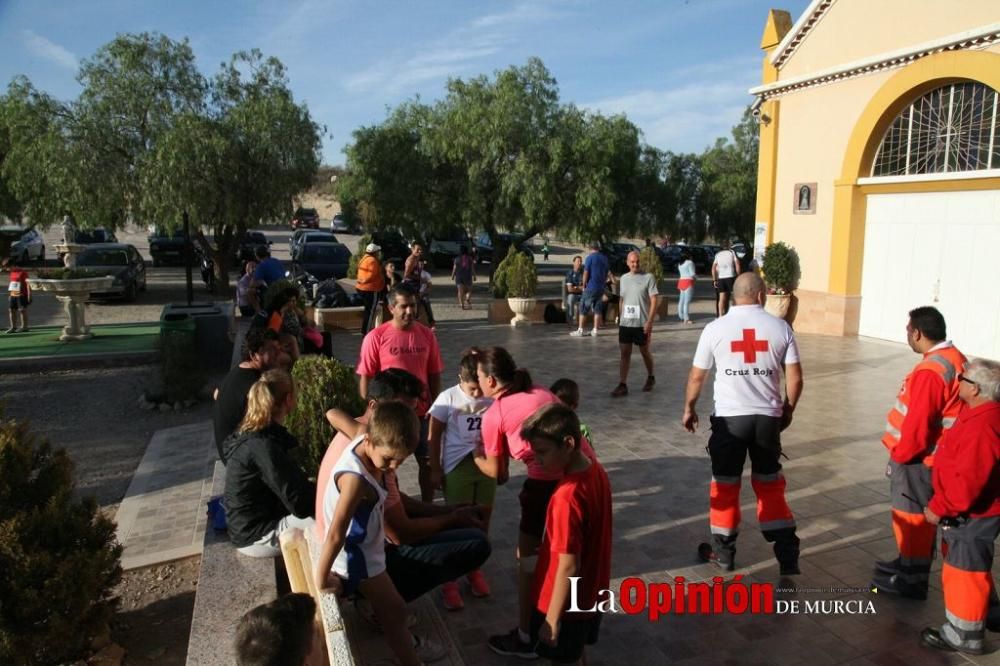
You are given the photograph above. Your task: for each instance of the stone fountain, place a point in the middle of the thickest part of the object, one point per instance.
(72, 292)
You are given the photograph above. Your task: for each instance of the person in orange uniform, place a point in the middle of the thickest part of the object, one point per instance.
(926, 406)
(966, 503)
(370, 284)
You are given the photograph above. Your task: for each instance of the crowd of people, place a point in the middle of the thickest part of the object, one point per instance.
(384, 548)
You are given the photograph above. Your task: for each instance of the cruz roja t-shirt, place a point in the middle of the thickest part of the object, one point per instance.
(414, 349)
(577, 522)
(636, 288)
(463, 418)
(231, 405)
(748, 348)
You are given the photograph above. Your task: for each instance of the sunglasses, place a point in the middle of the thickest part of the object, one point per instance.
(963, 378)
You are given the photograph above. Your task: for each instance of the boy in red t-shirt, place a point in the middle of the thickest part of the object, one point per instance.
(20, 296)
(577, 541)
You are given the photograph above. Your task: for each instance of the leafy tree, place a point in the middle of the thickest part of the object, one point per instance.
(149, 138)
(729, 170)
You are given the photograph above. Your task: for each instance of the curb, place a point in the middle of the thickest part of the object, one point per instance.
(31, 364)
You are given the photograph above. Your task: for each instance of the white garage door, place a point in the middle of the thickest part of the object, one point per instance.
(940, 249)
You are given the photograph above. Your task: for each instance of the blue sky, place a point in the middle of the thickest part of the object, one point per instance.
(679, 69)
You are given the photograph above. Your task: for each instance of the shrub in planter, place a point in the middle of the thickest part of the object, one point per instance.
(59, 559)
(649, 261)
(781, 268)
(515, 276)
(321, 383)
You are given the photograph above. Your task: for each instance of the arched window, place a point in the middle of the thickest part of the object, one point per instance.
(954, 128)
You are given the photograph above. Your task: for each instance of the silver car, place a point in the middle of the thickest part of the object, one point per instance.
(29, 247)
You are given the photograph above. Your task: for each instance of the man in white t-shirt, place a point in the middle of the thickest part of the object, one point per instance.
(749, 349)
(725, 268)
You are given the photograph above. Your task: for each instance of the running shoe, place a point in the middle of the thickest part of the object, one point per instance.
(650, 382)
(707, 554)
(511, 645)
(451, 597)
(578, 333)
(619, 391)
(14, 330)
(593, 332)
(428, 650)
(477, 583)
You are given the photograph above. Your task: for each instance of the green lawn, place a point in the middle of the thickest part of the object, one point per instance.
(108, 338)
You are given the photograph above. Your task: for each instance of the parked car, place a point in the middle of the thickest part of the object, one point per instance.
(484, 246)
(308, 237)
(702, 258)
(617, 254)
(670, 257)
(339, 225)
(28, 247)
(120, 261)
(168, 247)
(248, 245)
(305, 218)
(91, 236)
(322, 260)
(444, 246)
(394, 246)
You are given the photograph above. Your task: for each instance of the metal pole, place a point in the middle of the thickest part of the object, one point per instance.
(188, 258)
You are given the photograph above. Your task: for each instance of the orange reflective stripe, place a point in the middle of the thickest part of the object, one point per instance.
(724, 507)
(966, 595)
(914, 535)
(772, 508)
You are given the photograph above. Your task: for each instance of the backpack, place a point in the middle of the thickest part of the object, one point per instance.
(554, 315)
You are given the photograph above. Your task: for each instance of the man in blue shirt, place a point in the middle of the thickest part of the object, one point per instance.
(595, 275)
(269, 270)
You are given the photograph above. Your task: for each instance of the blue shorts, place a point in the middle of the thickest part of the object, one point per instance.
(592, 302)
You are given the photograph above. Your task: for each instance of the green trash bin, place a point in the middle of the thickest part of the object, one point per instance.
(182, 372)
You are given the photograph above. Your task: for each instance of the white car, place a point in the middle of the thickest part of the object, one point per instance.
(30, 247)
(339, 225)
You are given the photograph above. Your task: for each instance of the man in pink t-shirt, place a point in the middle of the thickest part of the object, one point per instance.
(406, 344)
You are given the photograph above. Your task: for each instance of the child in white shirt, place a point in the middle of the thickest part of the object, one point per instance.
(454, 436)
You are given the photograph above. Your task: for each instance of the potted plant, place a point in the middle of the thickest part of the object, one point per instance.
(781, 276)
(516, 279)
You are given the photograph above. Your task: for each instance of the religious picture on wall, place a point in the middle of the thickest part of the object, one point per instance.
(804, 202)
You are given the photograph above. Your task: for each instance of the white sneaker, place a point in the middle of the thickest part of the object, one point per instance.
(578, 333)
(593, 332)
(428, 650)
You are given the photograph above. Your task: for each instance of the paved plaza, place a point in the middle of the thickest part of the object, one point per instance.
(660, 475)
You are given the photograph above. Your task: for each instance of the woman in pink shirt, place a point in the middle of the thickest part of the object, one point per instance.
(515, 398)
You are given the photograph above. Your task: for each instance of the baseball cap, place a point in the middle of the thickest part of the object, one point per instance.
(372, 247)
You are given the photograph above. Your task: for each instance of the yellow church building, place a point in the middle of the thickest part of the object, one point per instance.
(880, 164)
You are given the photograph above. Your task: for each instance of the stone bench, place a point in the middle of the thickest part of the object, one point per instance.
(299, 550)
(229, 585)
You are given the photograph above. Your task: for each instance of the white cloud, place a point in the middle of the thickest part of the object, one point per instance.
(49, 50)
(689, 115)
(452, 55)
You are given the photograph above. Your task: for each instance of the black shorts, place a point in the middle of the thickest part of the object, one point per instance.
(422, 451)
(573, 637)
(725, 285)
(19, 302)
(632, 335)
(534, 498)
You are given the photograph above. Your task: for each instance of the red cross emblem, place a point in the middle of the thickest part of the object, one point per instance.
(749, 345)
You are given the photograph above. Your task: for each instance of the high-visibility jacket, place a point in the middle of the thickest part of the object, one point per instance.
(926, 406)
(371, 277)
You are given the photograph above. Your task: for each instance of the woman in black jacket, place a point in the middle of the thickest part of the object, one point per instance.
(266, 491)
